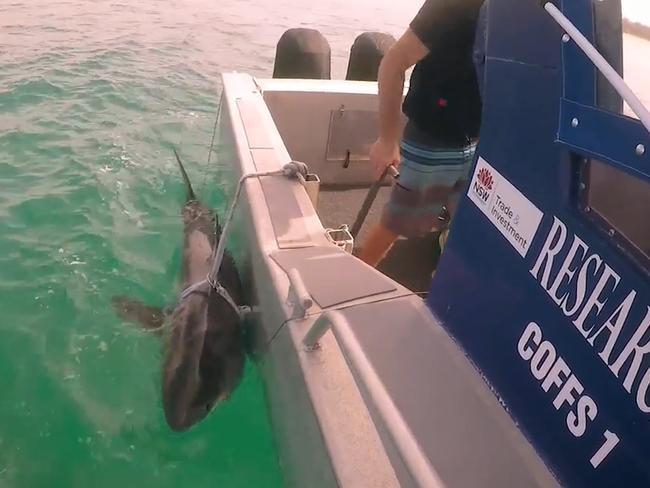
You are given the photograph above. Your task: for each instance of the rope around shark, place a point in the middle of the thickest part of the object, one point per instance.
(289, 170)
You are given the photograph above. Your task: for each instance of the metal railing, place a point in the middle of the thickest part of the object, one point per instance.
(410, 451)
(601, 64)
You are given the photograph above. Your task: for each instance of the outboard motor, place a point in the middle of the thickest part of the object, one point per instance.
(366, 54)
(303, 53)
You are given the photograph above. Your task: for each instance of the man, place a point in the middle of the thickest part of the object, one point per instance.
(443, 108)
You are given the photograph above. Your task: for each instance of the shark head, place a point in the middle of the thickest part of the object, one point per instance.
(204, 358)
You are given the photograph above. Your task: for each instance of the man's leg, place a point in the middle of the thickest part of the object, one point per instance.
(406, 214)
(378, 242)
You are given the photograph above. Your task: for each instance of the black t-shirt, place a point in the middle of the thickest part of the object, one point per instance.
(443, 104)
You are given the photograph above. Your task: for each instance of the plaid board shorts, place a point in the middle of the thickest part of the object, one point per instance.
(429, 179)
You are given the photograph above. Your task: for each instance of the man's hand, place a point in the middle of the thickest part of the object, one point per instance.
(407, 51)
(383, 153)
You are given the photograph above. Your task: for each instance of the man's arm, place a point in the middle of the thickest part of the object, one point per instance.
(405, 53)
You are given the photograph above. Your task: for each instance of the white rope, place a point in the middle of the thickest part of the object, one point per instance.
(290, 170)
(204, 287)
(601, 63)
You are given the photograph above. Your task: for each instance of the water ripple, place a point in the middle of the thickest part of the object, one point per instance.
(92, 97)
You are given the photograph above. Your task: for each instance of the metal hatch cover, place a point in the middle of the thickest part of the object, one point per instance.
(351, 134)
(332, 276)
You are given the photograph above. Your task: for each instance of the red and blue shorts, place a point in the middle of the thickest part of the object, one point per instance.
(430, 178)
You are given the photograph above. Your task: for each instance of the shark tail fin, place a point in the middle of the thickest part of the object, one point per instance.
(190, 191)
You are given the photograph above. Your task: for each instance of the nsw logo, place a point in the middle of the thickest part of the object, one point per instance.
(483, 185)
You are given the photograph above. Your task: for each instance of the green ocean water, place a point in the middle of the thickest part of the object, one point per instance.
(93, 94)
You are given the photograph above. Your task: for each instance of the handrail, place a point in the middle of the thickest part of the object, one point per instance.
(407, 446)
(601, 64)
(298, 293)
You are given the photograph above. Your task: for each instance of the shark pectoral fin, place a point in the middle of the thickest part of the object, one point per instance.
(150, 318)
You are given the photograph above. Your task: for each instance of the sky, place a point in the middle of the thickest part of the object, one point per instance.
(637, 11)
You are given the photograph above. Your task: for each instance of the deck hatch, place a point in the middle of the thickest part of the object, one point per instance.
(287, 217)
(351, 133)
(332, 276)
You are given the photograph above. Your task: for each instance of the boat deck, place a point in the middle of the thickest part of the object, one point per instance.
(410, 262)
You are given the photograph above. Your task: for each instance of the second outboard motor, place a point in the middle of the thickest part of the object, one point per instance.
(303, 53)
(366, 54)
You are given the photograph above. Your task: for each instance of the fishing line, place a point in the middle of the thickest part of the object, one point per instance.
(318, 313)
(214, 133)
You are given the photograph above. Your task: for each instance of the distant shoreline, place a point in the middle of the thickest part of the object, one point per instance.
(636, 29)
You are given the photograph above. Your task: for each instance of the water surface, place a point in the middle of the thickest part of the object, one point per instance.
(92, 96)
